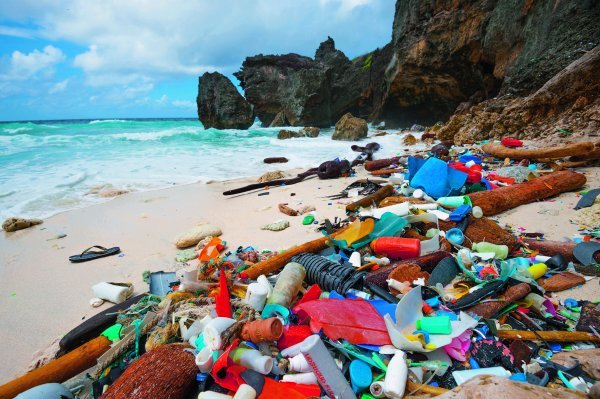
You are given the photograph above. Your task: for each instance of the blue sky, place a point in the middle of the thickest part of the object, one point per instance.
(69, 59)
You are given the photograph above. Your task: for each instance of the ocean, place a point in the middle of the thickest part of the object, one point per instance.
(52, 166)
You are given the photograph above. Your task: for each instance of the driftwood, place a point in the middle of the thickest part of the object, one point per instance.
(499, 151)
(553, 336)
(590, 156)
(280, 260)
(377, 196)
(483, 230)
(381, 163)
(366, 153)
(284, 208)
(94, 326)
(400, 199)
(386, 171)
(551, 248)
(255, 186)
(58, 370)
(490, 308)
(275, 160)
(501, 199)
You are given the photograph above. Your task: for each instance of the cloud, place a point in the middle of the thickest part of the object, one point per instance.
(24, 66)
(59, 86)
(184, 104)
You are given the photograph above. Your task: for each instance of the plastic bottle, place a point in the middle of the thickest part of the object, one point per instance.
(301, 378)
(252, 359)
(212, 332)
(395, 377)
(299, 364)
(501, 251)
(537, 270)
(293, 350)
(288, 285)
(264, 281)
(397, 247)
(204, 360)
(256, 296)
(245, 391)
(435, 325)
(454, 202)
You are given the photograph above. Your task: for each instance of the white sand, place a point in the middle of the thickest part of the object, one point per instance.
(43, 295)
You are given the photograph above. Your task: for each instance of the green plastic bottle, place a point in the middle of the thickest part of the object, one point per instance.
(501, 251)
(435, 325)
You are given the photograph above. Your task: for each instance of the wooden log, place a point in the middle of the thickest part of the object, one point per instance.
(381, 163)
(483, 230)
(398, 199)
(278, 261)
(58, 370)
(386, 171)
(590, 156)
(275, 160)
(499, 151)
(552, 336)
(501, 199)
(279, 182)
(94, 326)
(376, 197)
(551, 248)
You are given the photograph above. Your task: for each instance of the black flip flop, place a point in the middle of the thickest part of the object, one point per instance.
(584, 252)
(91, 255)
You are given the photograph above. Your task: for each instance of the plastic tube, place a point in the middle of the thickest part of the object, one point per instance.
(252, 359)
(301, 378)
(245, 391)
(256, 296)
(298, 363)
(395, 377)
(213, 330)
(377, 389)
(293, 350)
(328, 374)
(288, 285)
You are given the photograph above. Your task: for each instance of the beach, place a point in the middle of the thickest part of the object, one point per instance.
(44, 295)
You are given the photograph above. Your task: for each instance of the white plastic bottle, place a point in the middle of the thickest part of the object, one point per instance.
(253, 359)
(299, 364)
(395, 377)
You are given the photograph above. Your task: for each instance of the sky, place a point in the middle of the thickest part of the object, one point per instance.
(91, 59)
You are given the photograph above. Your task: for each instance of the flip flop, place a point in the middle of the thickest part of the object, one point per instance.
(588, 199)
(91, 255)
(584, 252)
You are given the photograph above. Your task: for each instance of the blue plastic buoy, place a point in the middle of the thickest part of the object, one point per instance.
(360, 375)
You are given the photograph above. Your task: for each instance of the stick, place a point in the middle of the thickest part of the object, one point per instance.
(501, 199)
(280, 260)
(551, 248)
(381, 163)
(58, 370)
(386, 172)
(552, 336)
(499, 151)
(413, 386)
(590, 156)
(278, 182)
(377, 196)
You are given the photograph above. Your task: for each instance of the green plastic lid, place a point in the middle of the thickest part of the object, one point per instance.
(113, 333)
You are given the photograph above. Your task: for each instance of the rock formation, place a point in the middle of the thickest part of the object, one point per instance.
(220, 105)
(304, 132)
(350, 128)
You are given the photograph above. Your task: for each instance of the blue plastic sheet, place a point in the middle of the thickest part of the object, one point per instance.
(435, 177)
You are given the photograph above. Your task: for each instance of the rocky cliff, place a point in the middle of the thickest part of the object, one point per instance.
(445, 56)
(220, 105)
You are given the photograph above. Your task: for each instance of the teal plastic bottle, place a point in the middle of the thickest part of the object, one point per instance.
(435, 325)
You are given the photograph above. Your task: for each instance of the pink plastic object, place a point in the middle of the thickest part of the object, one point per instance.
(396, 247)
(457, 349)
(355, 320)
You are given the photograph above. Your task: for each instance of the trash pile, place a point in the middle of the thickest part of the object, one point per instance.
(416, 292)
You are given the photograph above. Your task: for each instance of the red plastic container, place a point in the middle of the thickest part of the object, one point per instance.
(473, 173)
(510, 142)
(396, 247)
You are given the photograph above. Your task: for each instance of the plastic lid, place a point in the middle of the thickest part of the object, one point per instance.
(113, 333)
(360, 375)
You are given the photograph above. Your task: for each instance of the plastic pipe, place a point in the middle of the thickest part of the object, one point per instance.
(204, 360)
(293, 350)
(213, 330)
(328, 374)
(395, 377)
(252, 359)
(213, 395)
(298, 363)
(301, 378)
(256, 296)
(377, 389)
(245, 391)
(112, 292)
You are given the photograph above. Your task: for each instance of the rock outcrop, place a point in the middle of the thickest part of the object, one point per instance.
(304, 132)
(569, 101)
(350, 128)
(220, 105)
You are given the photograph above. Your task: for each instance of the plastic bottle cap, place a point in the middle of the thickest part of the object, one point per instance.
(360, 375)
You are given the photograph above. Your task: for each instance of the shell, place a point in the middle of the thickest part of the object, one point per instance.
(276, 226)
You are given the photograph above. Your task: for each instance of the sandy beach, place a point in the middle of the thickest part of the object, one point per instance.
(43, 295)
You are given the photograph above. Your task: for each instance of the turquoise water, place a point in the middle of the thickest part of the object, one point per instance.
(48, 167)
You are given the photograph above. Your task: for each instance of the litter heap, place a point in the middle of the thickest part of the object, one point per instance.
(415, 293)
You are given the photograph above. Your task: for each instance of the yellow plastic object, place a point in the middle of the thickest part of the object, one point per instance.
(537, 270)
(356, 231)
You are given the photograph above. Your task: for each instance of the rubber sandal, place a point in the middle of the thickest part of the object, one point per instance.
(584, 252)
(88, 254)
(588, 199)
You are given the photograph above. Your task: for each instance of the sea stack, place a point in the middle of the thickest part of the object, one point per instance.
(220, 105)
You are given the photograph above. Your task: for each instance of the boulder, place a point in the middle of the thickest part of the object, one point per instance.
(14, 224)
(287, 134)
(195, 234)
(270, 176)
(220, 105)
(350, 128)
(304, 132)
(310, 131)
